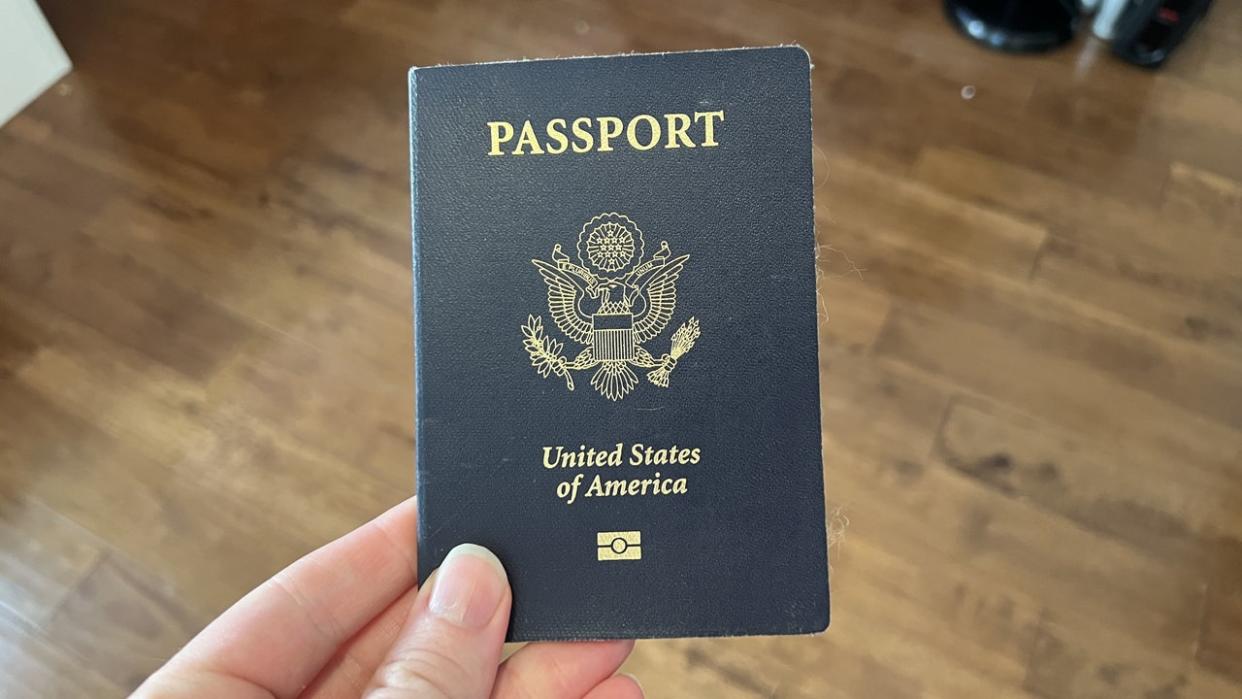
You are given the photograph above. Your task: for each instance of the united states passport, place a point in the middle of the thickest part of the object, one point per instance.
(615, 339)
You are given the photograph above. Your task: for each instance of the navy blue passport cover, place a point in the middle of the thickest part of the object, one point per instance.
(615, 339)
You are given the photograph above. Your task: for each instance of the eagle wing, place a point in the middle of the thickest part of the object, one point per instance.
(661, 292)
(563, 294)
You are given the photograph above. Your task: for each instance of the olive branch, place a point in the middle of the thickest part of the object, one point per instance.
(544, 351)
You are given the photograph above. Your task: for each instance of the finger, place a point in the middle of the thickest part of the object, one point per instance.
(559, 670)
(451, 642)
(349, 671)
(278, 637)
(619, 687)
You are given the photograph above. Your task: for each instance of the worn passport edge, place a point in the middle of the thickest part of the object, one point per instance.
(819, 625)
(415, 313)
(819, 407)
(625, 54)
(812, 628)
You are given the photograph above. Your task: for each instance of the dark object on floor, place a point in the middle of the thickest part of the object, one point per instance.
(1022, 26)
(1149, 30)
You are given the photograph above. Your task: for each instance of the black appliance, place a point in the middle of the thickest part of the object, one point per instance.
(1147, 31)
(1016, 25)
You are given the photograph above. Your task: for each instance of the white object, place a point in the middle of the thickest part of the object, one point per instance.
(31, 59)
(1105, 24)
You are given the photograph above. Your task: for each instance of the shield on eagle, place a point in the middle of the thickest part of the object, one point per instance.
(613, 336)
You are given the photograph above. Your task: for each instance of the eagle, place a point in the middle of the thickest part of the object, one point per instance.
(613, 317)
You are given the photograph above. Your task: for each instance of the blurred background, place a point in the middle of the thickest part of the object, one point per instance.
(1031, 346)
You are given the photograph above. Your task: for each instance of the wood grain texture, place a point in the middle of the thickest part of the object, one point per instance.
(1031, 343)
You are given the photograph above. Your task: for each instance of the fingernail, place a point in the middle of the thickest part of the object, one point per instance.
(469, 587)
(636, 682)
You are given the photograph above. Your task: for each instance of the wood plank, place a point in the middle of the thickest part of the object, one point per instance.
(306, 199)
(124, 498)
(17, 345)
(35, 668)
(876, 624)
(73, 132)
(1067, 335)
(1173, 305)
(852, 313)
(136, 613)
(169, 323)
(959, 616)
(927, 512)
(219, 447)
(1174, 513)
(42, 558)
(120, 391)
(689, 672)
(29, 166)
(1128, 124)
(1220, 644)
(1131, 226)
(249, 272)
(158, 103)
(860, 197)
(879, 409)
(916, 32)
(1059, 389)
(308, 395)
(979, 126)
(1075, 659)
(1203, 197)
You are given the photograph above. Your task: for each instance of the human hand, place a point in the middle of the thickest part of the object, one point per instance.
(347, 621)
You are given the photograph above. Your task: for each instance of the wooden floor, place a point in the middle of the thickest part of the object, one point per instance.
(1032, 352)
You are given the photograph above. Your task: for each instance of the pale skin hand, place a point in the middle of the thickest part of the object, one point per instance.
(347, 621)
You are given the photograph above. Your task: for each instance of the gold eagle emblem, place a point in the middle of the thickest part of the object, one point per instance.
(612, 302)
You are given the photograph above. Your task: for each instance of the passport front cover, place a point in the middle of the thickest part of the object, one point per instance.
(615, 339)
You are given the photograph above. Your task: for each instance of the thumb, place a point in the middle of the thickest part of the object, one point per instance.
(450, 645)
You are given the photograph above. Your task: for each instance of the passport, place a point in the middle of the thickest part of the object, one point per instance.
(616, 363)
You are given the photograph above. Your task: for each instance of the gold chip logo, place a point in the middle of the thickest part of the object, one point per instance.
(619, 546)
